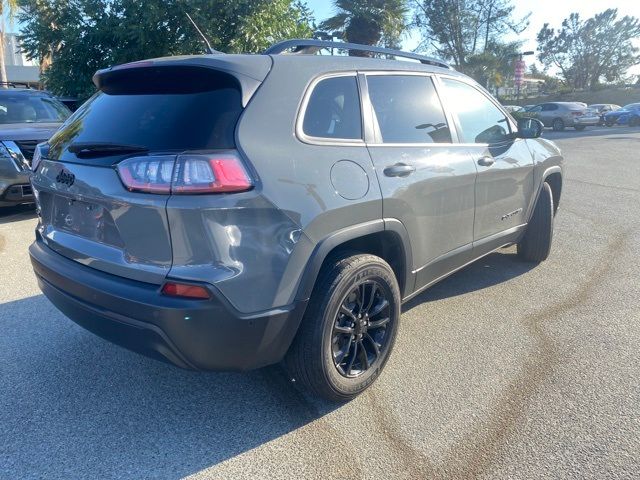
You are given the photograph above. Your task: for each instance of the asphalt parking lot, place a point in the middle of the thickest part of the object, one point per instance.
(500, 371)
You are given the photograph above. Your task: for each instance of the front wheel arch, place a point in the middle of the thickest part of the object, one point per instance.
(555, 182)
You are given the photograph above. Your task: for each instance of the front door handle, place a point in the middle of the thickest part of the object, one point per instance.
(486, 161)
(399, 170)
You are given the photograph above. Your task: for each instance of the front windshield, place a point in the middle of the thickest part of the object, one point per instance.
(31, 109)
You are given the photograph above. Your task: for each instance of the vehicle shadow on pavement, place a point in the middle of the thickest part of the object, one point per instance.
(491, 270)
(17, 213)
(75, 406)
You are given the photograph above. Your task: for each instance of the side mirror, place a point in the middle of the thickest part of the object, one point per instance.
(530, 128)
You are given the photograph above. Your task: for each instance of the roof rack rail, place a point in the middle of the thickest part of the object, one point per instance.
(16, 84)
(311, 46)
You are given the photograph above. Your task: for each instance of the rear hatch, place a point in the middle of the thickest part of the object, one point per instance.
(146, 115)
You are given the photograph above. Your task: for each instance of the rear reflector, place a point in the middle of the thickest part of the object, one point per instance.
(172, 289)
(185, 174)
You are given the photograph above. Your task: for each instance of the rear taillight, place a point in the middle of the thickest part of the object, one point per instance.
(150, 174)
(185, 174)
(173, 289)
(219, 173)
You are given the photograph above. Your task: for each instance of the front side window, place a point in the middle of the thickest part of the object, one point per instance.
(479, 119)
(28, 108)
(408, 109)
(333, 110)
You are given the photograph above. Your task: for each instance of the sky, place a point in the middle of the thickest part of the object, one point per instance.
(542, 11)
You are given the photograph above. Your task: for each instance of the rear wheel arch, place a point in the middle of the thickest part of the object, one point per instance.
(387, 239)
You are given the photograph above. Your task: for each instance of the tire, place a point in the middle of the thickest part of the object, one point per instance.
(535, 245)
(580, 127)
(326, 361)
(609, 123)
(558, 125)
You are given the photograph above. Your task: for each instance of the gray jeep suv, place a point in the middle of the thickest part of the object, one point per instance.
(234, 211)
(27, 117)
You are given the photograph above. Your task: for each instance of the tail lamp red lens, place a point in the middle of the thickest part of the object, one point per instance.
(173, 289)
(185, 174)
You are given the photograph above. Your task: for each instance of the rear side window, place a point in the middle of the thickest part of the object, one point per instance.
(549, 107)
(408, 109)
(166, 120)
(333, 110)
(479, 119)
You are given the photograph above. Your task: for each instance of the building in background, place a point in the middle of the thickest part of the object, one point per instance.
(19, 68)
(530, 87)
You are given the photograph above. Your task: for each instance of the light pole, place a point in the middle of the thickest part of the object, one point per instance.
(519, 70)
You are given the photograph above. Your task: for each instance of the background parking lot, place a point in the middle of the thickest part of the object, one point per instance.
(502, 370)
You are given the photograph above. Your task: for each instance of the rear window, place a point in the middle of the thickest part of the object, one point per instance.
(31, 109)
(333, 110)
(159, 121)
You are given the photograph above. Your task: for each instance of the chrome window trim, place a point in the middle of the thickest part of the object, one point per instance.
(302, 111)
(428, 145)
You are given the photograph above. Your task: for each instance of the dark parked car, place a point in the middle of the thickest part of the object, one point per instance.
(27, 117)
(627, 115)
(231, 211)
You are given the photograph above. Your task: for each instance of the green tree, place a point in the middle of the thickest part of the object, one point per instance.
(494, 65)
(368, 22)
(75, 38)
(276, 20)
(8, 9)
(459, 30)
(590, 51)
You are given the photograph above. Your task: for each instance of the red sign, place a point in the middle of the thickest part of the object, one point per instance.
(519, 72)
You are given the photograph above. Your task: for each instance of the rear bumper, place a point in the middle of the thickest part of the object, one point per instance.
(194, 334)
(591, 121)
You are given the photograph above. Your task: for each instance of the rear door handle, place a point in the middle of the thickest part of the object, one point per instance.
(486, 161)
(399, 170)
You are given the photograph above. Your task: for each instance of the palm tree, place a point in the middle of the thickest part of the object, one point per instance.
(7, 9)
(369, 22)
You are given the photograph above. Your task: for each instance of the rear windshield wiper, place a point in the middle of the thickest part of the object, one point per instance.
(89, 149)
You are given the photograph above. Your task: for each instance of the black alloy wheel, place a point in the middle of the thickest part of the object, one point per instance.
(349, 328)
(360, 329)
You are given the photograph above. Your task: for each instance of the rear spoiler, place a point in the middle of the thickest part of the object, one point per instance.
(186, 74)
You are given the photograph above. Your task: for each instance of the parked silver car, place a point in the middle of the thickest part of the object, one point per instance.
(594, 116)
(559, 115)
(603, 108)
